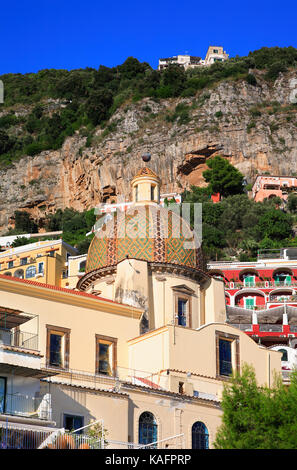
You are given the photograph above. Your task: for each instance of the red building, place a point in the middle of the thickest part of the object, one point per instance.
(261, 296)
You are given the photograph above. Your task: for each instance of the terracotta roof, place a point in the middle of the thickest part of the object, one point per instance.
(56, 288)
(86, 387)
(145, 171)
(21, 350)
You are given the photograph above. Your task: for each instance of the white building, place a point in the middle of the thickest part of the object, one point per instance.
(214, 54)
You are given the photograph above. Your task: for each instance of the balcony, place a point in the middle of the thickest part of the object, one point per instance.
(269, 284)
(26, 406)
(18, 339)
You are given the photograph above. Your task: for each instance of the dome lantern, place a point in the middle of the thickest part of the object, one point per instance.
(146, 186)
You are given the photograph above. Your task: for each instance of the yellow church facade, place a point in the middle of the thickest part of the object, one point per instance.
(140, 343)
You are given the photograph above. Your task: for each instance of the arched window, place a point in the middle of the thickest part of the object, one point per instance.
(148, 428)
(30, 272)
(19, 273)
(285, 354)
(200, 437)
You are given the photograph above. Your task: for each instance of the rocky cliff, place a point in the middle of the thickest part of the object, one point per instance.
(254, 126)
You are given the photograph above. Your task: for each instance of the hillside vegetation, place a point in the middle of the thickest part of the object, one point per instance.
(41, 109)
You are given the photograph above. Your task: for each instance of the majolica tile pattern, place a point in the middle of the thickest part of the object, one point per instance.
(150, 233)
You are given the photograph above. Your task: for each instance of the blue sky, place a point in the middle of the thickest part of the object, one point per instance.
(75, 34)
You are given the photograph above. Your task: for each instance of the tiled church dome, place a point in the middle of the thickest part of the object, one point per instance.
(154, 242)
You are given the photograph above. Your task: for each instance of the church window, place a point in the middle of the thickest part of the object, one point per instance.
(58, 340)
(106, 355)
(148, 429)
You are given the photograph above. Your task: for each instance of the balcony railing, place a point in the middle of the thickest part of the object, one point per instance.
(26, 406)
(261, 284)
(20, 339)
(270, 328)
(279, 299)
(243, 326)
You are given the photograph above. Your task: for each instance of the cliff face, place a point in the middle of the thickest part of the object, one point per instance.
(253, 126)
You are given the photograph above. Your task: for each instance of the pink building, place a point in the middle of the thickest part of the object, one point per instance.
(271, 186)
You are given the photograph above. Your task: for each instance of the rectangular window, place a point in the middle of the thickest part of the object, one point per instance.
(227, 354)
(225, 357)
(106, 355)
(10, 264)
(152, 193)
(2, 394)
(24, 261)
(182, 299)
(249, 281)
(72, 422)
(40, 268)
(182, 312)
(58, 340)
(249, 303)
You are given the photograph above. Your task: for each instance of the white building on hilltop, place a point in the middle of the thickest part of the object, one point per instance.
(214, 54)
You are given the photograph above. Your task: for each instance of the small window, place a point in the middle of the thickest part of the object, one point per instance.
(58, 347)
(24, 261)
(2, 394)
(285, 355)
(30, 272)
(72, 422)
(249, 281)
(249, 303)
(153, 192)
(181, 388)
(40, 268)
(106, 355)
(82, 266)
(51, 253)
(182, 312)
(10, 264)
(183, 306)
(136, 193)
(225, 354)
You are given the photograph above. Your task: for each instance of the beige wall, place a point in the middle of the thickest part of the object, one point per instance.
(84, 324)
(215, 302)
(194, 351)
(121, 412)
(134, 285)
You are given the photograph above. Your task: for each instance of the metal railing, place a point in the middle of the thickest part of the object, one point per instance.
(20, 339)
(172, 442)
(261, 284)
(270, 328)
(243, 326)
(26, 406)
(93, 379)
(12, 437)
(279, 299)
